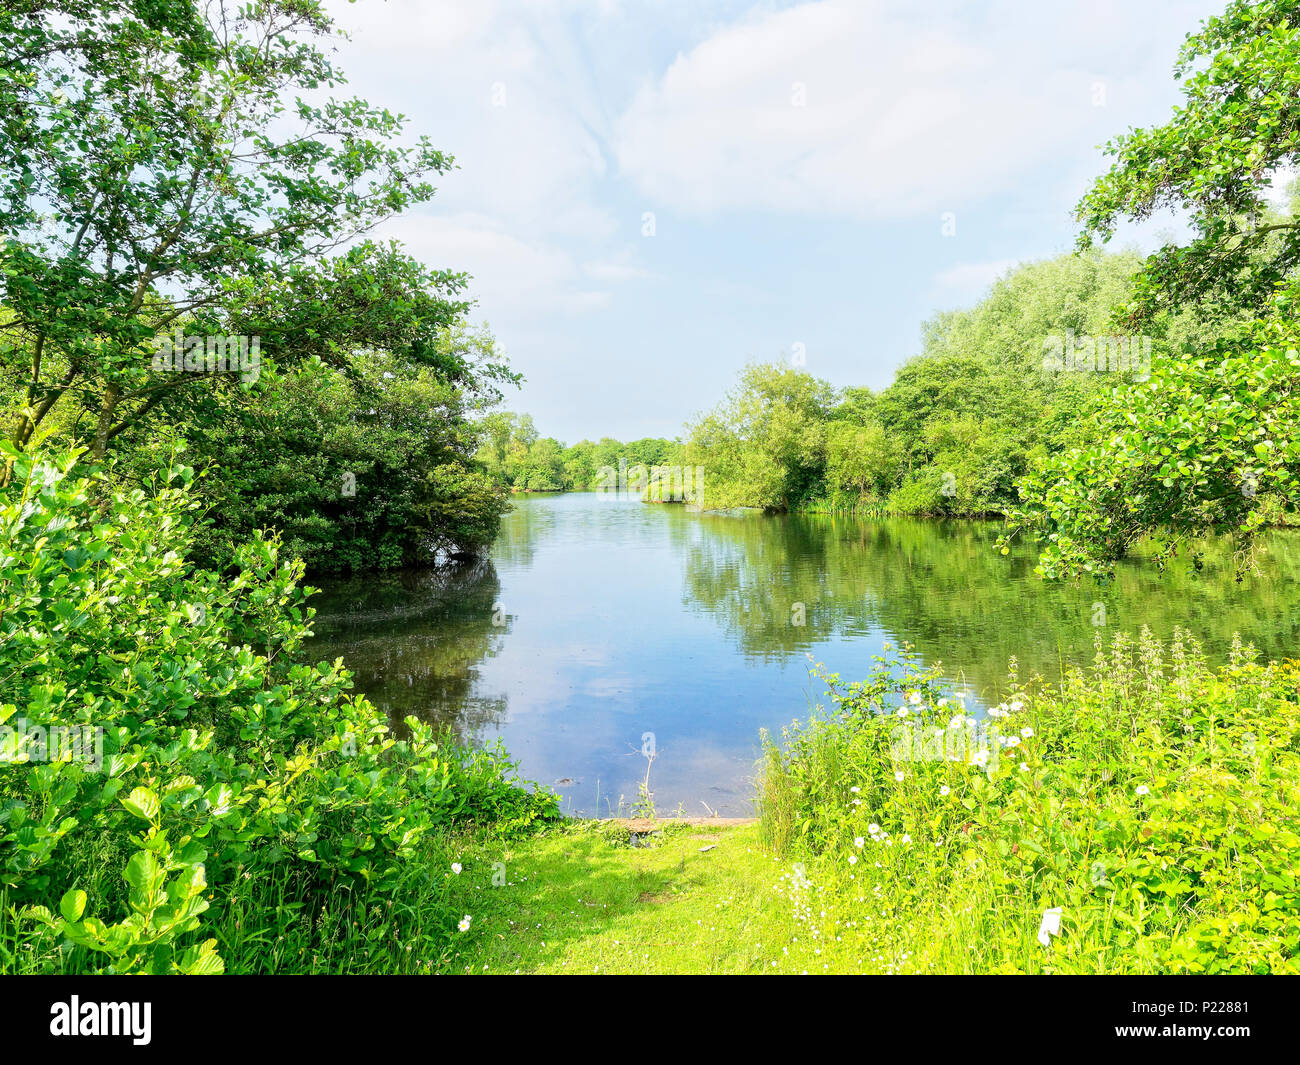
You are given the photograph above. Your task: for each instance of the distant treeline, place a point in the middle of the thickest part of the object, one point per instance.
(515, 455)
(995, 388)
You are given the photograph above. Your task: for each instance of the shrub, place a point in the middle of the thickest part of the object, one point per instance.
(222, 754)
(1152, 799)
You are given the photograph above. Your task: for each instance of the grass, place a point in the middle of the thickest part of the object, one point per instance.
(581, 899)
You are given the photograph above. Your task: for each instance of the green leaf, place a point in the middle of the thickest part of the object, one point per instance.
(143, 803)
(73, 904)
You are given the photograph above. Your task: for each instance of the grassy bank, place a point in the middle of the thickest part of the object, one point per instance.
(1151, 799)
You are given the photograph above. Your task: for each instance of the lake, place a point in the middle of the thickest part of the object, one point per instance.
(600, 619)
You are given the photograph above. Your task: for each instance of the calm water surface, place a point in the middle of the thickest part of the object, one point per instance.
(600, 619)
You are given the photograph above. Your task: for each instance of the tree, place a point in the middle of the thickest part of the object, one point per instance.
(159, 169)
(765, 445)
(367, 466)
(1238, 127)
(1209, 443)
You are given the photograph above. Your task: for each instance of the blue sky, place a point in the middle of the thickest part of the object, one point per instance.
(800, 161)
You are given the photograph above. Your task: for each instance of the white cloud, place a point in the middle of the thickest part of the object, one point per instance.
(872, 110)
(511, 276)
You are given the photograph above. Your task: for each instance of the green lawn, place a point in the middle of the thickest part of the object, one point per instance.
(581, 900)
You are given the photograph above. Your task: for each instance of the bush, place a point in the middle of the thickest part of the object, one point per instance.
(1153, 800)
(223, 756)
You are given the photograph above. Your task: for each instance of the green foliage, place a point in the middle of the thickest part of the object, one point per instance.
(517, 457)
(223, 753)
(765, 444)
(133, 202)
(363, 468)
(1209, 444)
(1151, 799)
(1214, 161)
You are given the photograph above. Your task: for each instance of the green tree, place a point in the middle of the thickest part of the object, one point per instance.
(158, 168)
(1238, 127)
(1209, 442)
(765, 445)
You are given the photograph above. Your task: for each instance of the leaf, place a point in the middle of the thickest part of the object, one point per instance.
(73, 905)
(143, 803)
(143, 873)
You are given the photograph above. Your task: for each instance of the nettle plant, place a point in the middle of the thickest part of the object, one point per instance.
(1151, 798)
(223, 754)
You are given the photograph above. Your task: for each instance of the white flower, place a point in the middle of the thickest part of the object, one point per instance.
(873, 829)
(855, 789)
(1142, 789)
(853, 859)
(1026, 732)
(998, 711)
(957, 721)
(463, 925)
(907, 838)
(858, 841)
(1024, 768)
(1015, 706)
(914, 698)
(901, 711)
(980, 758)
(899, 776)
(944, 790)
(455, 868)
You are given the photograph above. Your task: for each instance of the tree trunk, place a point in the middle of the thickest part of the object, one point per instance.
(111, 395)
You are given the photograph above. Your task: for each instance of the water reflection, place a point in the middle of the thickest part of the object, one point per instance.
(416, 642)
(602, 620)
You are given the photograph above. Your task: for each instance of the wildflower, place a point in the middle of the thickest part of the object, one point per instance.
(855, 789)
(1015, 706)
(456, 867)
(858, 841)
(914, 698)
(980, 758)
(1142, 789)
(463, 924)
(1026, 732)
(957, 721)
(853, 859)
(902, 711)
(907, 838)
(944, 790)
(899, 776)
(998, 711)
(1024, 768)
(873, 829)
